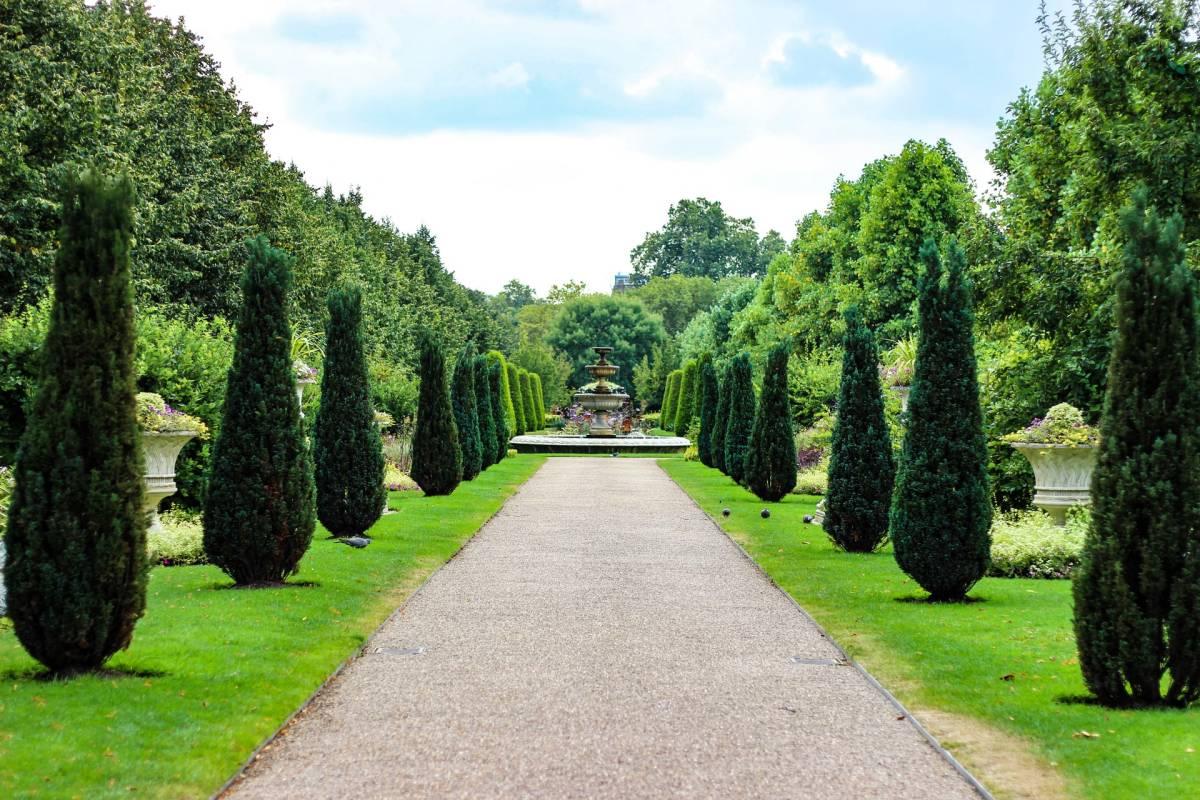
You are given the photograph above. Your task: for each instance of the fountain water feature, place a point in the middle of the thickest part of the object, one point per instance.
(601, 400)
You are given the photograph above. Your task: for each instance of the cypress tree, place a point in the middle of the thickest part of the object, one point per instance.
(721, 419)
(437, 456)
(496, 388)
(348, 450)
(539, 397)
(698, 394)
(686, 401)
(505, 398)
(466, 413)
(518, 403)
(741, 417)
(526, 392)
(260, 511)
(771, 457)
(486, 414)
(709, 400)
(666, 414)
(1137, 590)
(862, 470)
(76, 539)
(941, 512)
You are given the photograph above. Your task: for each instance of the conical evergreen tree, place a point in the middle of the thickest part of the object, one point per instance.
(741, 417)
(466, 413)
(1137, 591)
(721, 420)
(941, 513)
(496, 371)
(437, 456)
(526, 392)
(487, 415)
(515, 397)
(348, 450)
(709, 399)
(698, 394)
(539, 397)
(771, 457)
(76, 571)
(688, 387)
(666, 415)
(260, 511)
(506, 397)
(862, 470)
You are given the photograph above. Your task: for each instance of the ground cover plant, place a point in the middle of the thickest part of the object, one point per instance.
(203, 686)
(1007, 662)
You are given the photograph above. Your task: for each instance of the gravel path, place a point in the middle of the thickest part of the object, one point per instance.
(600, 637)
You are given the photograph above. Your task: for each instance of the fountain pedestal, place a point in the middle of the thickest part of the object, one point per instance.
(601, 400)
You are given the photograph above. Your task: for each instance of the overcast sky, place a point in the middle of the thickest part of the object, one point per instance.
(542, 139)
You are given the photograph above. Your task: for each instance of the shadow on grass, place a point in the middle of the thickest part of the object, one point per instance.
(1094, 702)
(43, 675)
(926, 600)
(264, 585)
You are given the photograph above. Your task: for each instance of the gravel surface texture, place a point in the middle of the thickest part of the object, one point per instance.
(600, 638)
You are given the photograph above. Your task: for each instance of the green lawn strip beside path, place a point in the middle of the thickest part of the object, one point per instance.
(1007, 661)
(224, 668)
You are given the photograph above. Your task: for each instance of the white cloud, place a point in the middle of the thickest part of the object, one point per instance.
(514, 76)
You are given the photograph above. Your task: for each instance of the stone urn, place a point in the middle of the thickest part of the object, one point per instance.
(301, 385)
(160, 451)
(903, 392)
(1062, 476)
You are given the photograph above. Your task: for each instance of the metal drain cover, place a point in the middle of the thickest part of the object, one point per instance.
(399, 651)
(818, 662)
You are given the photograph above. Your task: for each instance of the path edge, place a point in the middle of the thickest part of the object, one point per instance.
(932, 740)
(358, 653)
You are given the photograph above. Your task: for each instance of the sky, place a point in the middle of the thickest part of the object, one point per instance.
(542, 139)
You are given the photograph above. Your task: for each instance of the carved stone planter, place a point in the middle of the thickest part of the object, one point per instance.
(1062, 476)
(160, 451)
(301, 384)
(903, 392)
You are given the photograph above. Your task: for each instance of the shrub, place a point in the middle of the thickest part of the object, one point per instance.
(670, 400)
(397, 452)
(770, 457)
(533, 419)
(348, 446)
(941, 511)
(813, 480)
(466, 413)
(861, 468)
(518, 403)
(1137, 591)
(179, 542)
(685, 401)
(709, 400)
(496, 388)
(721, 424)
(6, 488)
(741, 417)
(539, 398)
(260, 511)
(394, 389)
(1063, 424)
(505, 397)
(1027, 544)
(489, 451)
(437, 456)
(813, 385)
(76, 538)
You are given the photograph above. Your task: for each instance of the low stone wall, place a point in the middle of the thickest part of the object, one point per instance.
(667, 445)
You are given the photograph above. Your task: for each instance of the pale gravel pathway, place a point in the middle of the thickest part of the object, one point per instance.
(599, 638)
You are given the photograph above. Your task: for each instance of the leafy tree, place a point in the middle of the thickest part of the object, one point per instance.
(518, 399)
(552, 367)
(709, 400)
(348, 450)
(721, 423)
(771, 455)
(600, 320)
(489, 441)
(496, 374)
(741, 417)
(437, 456)
(941, 513)
(688, 389)
(699, 239)
(506, 396)
(76, 533)
(650, 375)
(260, 511)
(466, 413)
(862, 470)
(1137, 591)
(677, 298)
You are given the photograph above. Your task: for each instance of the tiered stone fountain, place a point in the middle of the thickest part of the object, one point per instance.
(601, 400)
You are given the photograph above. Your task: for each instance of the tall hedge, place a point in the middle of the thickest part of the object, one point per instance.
(496, 388)
(348, 450)
(941, 512)
(76, 538)
(689, 386)
(1137, 591)
(506, 397)
(260, 511)
(709, 400)
(518, 403)
(527, 405)
(466, 413)
(666, 415)
(437, 455)
(771, 457)
(862, 469)
(488, 439)
(721, 421)
(741, 417)
(539, 398)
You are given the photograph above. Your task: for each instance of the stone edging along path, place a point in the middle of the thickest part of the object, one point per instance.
(601, 637)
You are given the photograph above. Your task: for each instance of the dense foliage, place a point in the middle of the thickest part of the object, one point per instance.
(685, 404)
(76, 532)
(771, 456)
(466, 413)
(701, 240)
(710, 398)
(505, 398)
(347, 448)
(721, 420)
(740, 419)
(1137, 593)
(259, 513)
(621, 323)
(437, 456)
(670, 397)
(495, 382)
(517, 398)
(489, 440)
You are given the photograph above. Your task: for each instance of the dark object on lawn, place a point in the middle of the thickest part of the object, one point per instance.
(766, 512)
(357, 542)
(808, 518)
(615, 454)
(724, 512)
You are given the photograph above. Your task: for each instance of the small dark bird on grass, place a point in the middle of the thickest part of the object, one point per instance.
(808, 518)
(765, 513)
(357, 542)
(724, 512)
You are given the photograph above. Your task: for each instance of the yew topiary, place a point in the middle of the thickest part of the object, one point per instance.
(721, 419)
(437, 456)
(709, 400)
(488, 440)
(466, 413)
(741, 417)
(771, 457)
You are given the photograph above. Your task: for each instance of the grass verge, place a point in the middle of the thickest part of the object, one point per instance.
(212, 670)
(996, 679)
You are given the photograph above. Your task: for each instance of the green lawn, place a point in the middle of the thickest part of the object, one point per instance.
(224, 668)
(990, 676)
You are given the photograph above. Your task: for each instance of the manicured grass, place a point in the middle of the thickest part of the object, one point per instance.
(222, 668)
(1007, 661)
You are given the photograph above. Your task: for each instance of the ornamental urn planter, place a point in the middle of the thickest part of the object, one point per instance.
(1062, 476)
(903, 392)
(301, 383)
(160, 451)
